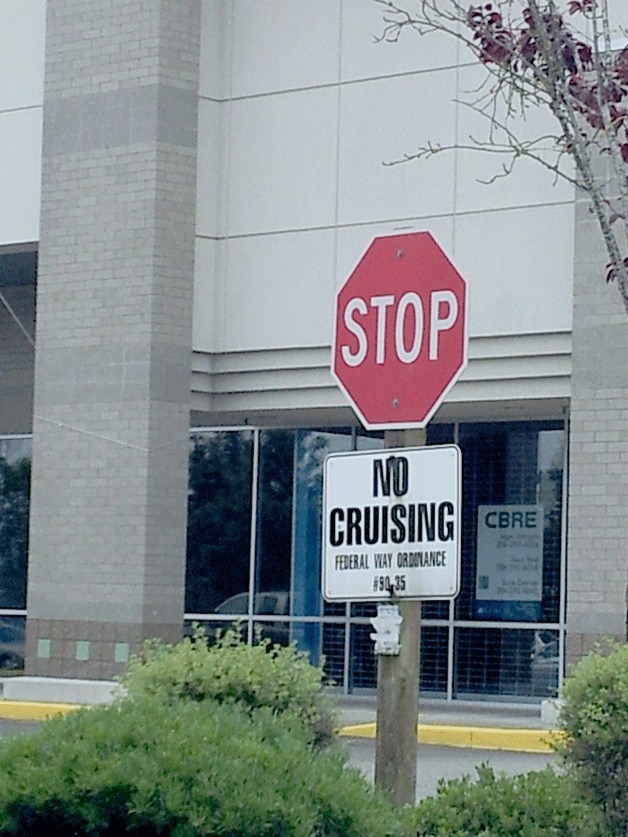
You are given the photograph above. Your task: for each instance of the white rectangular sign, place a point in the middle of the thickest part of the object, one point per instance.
(392, 524)
(510, 553)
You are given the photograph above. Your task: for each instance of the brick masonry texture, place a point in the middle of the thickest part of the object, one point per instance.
(63, 635)
(115, 292)
(597, 573)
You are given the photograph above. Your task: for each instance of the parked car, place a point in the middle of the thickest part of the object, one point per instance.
(270, 603)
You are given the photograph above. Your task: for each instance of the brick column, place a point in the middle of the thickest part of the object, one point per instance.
(114, 322)
(597, 563)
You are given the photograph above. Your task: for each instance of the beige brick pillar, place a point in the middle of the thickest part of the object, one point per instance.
(114, 322)
(597, 563)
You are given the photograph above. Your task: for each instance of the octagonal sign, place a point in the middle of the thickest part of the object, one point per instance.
(400, 339)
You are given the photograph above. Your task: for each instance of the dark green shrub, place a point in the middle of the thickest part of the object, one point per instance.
(147, 768)
(262, 675)
(530, 805)
(594, 716)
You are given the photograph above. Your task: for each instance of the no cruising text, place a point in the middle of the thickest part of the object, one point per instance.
(391, 524)
(400, 523)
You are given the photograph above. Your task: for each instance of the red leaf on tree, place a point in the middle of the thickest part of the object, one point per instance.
(584, 93)
(611, 270)
(528, 46)
(621, 66)
(575, 6)
(585, 54)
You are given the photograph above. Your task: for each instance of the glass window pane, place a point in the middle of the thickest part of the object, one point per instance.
(363, 662)
(364, 609)
(333, 648)
(15, 473)
(312, 446)
(12, 633)
(433, 658)
(551, 454)
(512, 512)
(219, 522)
(277, 632)
(435, 610)
(274, 522)
(505, 661)
(440, 434)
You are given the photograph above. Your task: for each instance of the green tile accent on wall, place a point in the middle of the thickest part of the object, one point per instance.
(82, 650)
(121, 652)
(43, 649)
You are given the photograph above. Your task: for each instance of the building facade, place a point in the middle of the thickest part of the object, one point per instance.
(186, 186)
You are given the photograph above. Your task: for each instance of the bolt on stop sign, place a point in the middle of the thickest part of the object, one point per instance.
(400, 338)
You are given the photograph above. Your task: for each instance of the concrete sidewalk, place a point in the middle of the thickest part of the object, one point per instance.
(486, 725)
(25, 698)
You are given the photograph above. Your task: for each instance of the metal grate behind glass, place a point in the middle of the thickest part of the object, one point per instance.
(333, 647)
(506, 661)
(433, 659)
(516, 464)
(362, 663)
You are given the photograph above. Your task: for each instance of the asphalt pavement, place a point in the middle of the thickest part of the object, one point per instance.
(436, 762)
(455, 737)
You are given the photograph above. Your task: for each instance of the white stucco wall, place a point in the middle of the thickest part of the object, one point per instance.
(22, 26)
(299, 109)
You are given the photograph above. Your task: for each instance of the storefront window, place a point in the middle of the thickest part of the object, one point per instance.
(12, 643)
(511, 565)
(274, 521)
(274, 534)
(15, 469)
(219, 522)
(506, 661)
(502, 635)
(311, 449)
(512, 507)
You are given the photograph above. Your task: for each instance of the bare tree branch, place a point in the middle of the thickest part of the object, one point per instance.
(536, 58)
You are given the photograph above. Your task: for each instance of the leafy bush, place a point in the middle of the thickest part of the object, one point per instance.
(594, 715)
(231, 671)
(529, 805)
(143, 767)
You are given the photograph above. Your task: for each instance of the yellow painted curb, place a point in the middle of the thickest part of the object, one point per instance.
(482, 738)
(20, 710)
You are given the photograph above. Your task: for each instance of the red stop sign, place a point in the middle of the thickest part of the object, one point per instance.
(400, 338)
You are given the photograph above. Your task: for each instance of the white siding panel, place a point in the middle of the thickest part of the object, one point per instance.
(279, 291)
(519, 267)
(207, 313)
(382, 120)
(618, 18)
(529, 182)
(364, 57)
(211, 172)
(284, 45)
(22, 30)
(20, 173)
(215, 49)
(283, 162)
